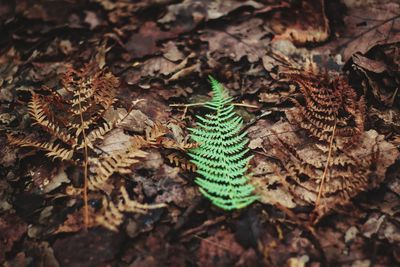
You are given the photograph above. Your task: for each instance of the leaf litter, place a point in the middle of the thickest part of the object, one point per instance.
(162, 52)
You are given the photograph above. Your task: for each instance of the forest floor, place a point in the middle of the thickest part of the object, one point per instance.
(338, 206)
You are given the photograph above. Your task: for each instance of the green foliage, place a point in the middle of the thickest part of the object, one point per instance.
(221, 155)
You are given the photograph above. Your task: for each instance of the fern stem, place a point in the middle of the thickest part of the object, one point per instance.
(321, 187)
(85, 169)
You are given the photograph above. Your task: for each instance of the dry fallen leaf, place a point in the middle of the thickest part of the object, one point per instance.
(194, 11)
(308, 26)
(144, 42)
(248, 39)
(219, 250)
(171, 52)
(12, 228)
(380, 70)
(366, 24)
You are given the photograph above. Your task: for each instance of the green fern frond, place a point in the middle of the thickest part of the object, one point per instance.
(221, 155)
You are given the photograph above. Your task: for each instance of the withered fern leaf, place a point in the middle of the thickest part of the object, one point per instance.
(221, 157)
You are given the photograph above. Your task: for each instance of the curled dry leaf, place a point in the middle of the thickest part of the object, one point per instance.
(308, 26)
(380, 72)
(160, 65)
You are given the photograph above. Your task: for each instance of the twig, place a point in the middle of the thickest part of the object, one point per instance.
(250, 123)
(201, 228)
(203, 103)
(186, 106)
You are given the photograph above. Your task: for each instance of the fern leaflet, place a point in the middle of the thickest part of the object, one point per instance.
(220, 156)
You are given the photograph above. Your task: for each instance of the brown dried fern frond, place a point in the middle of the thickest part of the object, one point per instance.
(89, 94)
(38, 110)
(112, 215)
(86, 100)
(324, 153)
(181, 162)
(52, 150)
(154, 133)
(343, 175)
(117, 162)
(327, 103)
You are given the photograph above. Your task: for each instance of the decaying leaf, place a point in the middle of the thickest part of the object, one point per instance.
(204, 9)
(145, 41)
(248, 39)
(379, 71)
(11, 230)
(79, 249)
(308, 26)
(220, 250)
(366, 24)
(48, 181)
(74, 222)
(161, 50)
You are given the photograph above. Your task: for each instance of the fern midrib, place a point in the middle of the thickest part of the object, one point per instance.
(85, 170)
(220, 106)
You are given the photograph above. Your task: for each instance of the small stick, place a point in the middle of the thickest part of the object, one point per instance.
(203, 103)
(186, 106)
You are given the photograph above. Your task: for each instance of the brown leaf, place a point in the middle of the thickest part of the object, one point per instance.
(47, 177)
(92, 19)
(369, 64)
(172, 187)
(171, 52)
(144, 42)
(95, 247)
(219, 250)
(380, 71)
(194, 11)
(306, 23)
(57, 12)
(135, 121)
(367, 24)
(237, 41)
(74, 222)
(116, 141)
(11, 230)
